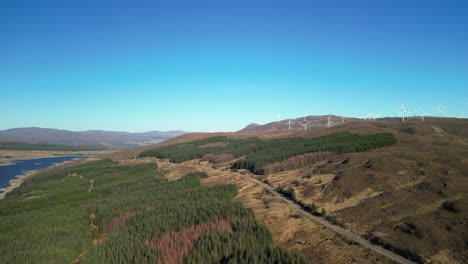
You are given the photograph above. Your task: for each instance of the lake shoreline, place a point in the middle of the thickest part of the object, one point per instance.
(18, 180)
(8, 163)
(13, 162)
(9, 157)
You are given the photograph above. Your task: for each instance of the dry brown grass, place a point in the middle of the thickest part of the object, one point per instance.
(218, 158)
(175, 171)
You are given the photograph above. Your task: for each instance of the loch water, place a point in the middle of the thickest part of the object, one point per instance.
(21, 167)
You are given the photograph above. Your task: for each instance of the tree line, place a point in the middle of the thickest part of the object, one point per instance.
(280, 150)
(269, 156)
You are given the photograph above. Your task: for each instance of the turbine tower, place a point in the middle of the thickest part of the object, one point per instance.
(403, 111)
(329, 123)
(304, 125)
(423, 114)
(289, 124)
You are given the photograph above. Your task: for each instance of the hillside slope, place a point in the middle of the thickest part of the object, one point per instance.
(12, 145)
(411, 197)
(299, 123)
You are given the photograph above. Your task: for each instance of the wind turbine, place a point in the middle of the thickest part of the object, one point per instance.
(375, 116)
(329, 123)
(440, 109)
(279, 118)
(304, 125)
(289, 124)
(370, 116)
(423, 114)
(403, 111)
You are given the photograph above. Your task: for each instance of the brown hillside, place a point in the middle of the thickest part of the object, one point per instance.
(313, 122)
(403, 194)
(412, 196)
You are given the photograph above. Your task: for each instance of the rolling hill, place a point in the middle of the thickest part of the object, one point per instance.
(12, 145)
(298, 123)
(85, 138)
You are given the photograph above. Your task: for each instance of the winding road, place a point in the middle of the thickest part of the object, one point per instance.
(345, 233)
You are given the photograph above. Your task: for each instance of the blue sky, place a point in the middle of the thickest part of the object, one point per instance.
(220, 65)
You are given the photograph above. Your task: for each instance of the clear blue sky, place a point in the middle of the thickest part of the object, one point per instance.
(220, 65)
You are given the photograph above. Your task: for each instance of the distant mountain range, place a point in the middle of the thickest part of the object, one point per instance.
(299, 123)
(111, 139)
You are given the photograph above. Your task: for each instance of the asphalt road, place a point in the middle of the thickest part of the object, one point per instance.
(349, 235)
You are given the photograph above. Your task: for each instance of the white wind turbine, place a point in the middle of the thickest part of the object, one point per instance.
(403, 111)
(440, 109)
(371, 116)
(304, 125)
(289, 124)
(329, 122)
(375, 117)
(423, 114)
